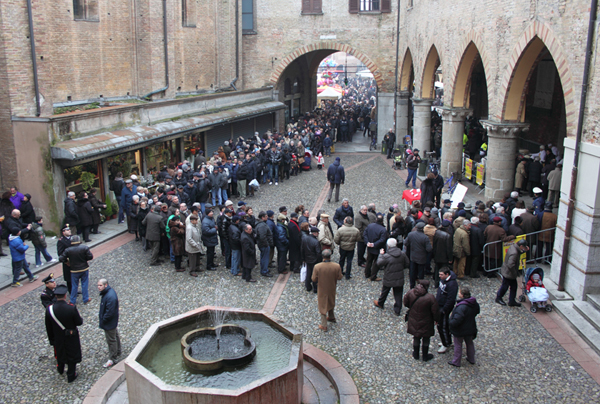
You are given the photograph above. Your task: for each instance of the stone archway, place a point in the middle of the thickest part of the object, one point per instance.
(428, 79)
(326, 46)
(407, 73)
(522, 62)
(461, 83)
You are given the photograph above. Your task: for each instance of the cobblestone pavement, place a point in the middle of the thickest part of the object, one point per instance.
(517, 360)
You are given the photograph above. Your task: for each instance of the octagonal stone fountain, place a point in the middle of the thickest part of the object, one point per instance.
(254, 358)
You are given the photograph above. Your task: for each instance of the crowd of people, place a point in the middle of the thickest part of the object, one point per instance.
(188, 213)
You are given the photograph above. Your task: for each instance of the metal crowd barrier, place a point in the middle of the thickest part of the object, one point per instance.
(539, 251)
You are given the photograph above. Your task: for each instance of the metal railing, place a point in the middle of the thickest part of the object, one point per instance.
(540, 251)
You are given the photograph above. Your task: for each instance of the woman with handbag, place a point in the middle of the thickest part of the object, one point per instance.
(463, 326)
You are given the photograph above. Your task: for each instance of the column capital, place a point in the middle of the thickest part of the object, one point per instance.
(404, 94)
(422, 102)
(504, 129)
(453, 114)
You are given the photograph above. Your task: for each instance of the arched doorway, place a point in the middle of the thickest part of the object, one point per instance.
(535, 96)
(406, 88)
(423, 114)
(303, 66)
(462, 131)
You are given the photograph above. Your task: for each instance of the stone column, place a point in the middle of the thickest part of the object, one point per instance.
(582, 276)
(385, 114)
(422, 125)
(105, 177)
(502, 152)
(402, 123)
(453, 127)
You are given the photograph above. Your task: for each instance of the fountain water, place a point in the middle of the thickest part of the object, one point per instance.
(157, 372)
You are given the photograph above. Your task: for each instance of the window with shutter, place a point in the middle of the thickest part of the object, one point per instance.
(312, 7)
(386, 6)
(353, 6)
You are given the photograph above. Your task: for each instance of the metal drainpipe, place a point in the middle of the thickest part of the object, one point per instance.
(574, 172)
(33, 60)
(166, 54)
(237, 46)
(397, 60)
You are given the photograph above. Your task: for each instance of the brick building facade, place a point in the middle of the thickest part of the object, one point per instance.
(526, 56)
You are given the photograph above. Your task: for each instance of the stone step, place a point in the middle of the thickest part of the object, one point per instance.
(589, 311)
(579, 323)
(594, 300)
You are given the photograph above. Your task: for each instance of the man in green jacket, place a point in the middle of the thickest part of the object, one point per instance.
(346, 237)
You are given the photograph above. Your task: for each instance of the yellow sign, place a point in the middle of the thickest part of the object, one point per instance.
(480, 173)
(506, 246)
(469, 169)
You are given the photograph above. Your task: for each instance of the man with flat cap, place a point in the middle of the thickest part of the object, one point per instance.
(48, 297)
(326, 274)
(62, 320)
(63, 243)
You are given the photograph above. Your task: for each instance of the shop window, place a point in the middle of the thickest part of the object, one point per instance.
(193, 143)
(312, 7)
(188, 9)
(84, 177)
(248, 17)
(85, 10)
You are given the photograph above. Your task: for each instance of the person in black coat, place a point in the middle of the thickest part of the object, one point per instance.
(27, 211)
(78, 256)
(155, 226)
(375, 236)
(477, 241)
(234, 234)
(210, 238)
(446, 298)
(442, 252)
(463, 326)
(248, 253)
(109, 320)
(85, 211)
(394, 262)
(71, 211)
(141, 215)
(97, 205)
(311, 255)
(418, 248)
(295, 243)
(65, 339)
(62, 244)
(428, 189)
(343, 212)
(534, 176)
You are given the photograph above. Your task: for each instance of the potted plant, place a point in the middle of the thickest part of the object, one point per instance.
(115, 208)
(108, 211)
(87, 180)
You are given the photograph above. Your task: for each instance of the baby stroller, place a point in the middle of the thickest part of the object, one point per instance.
(397, 159)
(538, 296)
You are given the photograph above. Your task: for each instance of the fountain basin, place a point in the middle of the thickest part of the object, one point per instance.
(201, 353)
(156, 373)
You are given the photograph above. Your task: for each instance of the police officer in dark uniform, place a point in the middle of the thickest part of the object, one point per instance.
(63, 243)
(62, 320)
(48, 297)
